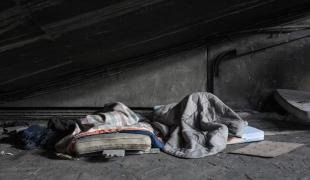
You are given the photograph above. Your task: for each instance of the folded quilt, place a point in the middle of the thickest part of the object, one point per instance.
(115, 117)
(99, 143)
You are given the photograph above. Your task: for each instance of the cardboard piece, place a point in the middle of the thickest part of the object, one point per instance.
(267, 149)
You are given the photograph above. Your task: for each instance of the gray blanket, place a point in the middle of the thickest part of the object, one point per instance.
(198, 126)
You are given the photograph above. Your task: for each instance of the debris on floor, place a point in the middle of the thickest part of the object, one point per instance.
(64, 156)
(267, 149)
(14, 129)
(3, 153)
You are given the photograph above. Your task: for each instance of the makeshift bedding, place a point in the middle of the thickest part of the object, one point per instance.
(115, 117)
(198, 126)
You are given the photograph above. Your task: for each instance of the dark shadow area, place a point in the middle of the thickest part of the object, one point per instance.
(13, 140)
(270, 104)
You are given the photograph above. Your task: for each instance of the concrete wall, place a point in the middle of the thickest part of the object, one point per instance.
(161, 81)
(264, 62)
(279, 60)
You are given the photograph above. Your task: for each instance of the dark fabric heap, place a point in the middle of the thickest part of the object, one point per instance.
(37, 136)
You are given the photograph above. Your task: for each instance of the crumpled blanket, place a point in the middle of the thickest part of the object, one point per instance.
(198, 125)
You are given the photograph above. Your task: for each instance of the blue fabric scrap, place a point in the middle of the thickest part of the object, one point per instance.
(37, 136)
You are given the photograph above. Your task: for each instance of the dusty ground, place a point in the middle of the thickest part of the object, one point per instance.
(41, 165)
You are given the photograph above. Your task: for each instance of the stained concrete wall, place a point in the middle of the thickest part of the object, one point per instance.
(278, 60)
(161, 81)
(263, 63)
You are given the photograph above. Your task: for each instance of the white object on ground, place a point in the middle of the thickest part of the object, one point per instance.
(250, 134)
(6, 153)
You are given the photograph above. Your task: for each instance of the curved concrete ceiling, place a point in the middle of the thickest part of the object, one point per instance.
(45, 43)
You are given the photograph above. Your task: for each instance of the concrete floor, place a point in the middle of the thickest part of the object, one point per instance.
(41, 165)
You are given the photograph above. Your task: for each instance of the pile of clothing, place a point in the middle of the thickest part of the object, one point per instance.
(196, 127)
